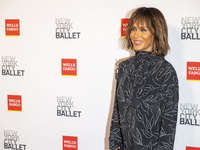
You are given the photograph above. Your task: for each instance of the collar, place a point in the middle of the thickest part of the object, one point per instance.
(143, 55)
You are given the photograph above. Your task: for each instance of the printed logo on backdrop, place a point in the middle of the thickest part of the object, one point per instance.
(124, 23)
(192, 148)
(15, 103)
(11, 141)
(189, 114)
(70, 143)
(190, 28)
(64, 29)
(9, 66)
(69, 67)
(65, 107)
(193, 71)
(12, 27)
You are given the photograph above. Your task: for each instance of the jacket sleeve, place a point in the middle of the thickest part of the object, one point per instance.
(115, 139)
(169, 112)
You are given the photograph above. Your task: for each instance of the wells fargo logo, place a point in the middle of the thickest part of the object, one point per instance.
(70, 143)
(12, 27)
(15, 103)
(124, 23)
(192, 148)
(193, 71)
(69, 67)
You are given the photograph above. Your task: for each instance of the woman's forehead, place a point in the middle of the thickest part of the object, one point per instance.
(143, 22)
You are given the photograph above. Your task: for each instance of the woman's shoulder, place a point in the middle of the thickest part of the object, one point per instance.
(121, 65)
(169, 69)
(168, 65)
(125, 60)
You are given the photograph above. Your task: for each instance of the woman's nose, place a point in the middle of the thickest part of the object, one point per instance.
(137, 34)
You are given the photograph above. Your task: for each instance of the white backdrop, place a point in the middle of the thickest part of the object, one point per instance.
(38, 52)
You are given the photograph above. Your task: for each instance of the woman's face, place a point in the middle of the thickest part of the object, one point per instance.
(141, 37)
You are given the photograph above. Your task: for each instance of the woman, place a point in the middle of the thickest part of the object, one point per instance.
(146, 101)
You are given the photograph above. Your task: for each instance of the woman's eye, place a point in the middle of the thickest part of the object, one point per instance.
(133, 29)
(143, 30)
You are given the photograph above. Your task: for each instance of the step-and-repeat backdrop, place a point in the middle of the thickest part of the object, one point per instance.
(58, 61)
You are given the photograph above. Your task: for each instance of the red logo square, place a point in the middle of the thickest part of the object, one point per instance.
(69, 67)
(15, 103)
(193, 71)
(12, 27)
(124, 23)
(70, 143)
(192, 148)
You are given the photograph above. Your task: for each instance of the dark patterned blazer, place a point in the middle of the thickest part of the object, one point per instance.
(146, 104)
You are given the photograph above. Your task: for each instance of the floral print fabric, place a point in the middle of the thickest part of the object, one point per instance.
(146, 104)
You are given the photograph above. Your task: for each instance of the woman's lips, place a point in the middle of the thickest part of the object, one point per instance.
(136, 42)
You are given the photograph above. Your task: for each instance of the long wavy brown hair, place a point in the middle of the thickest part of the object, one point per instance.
(156, 24)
